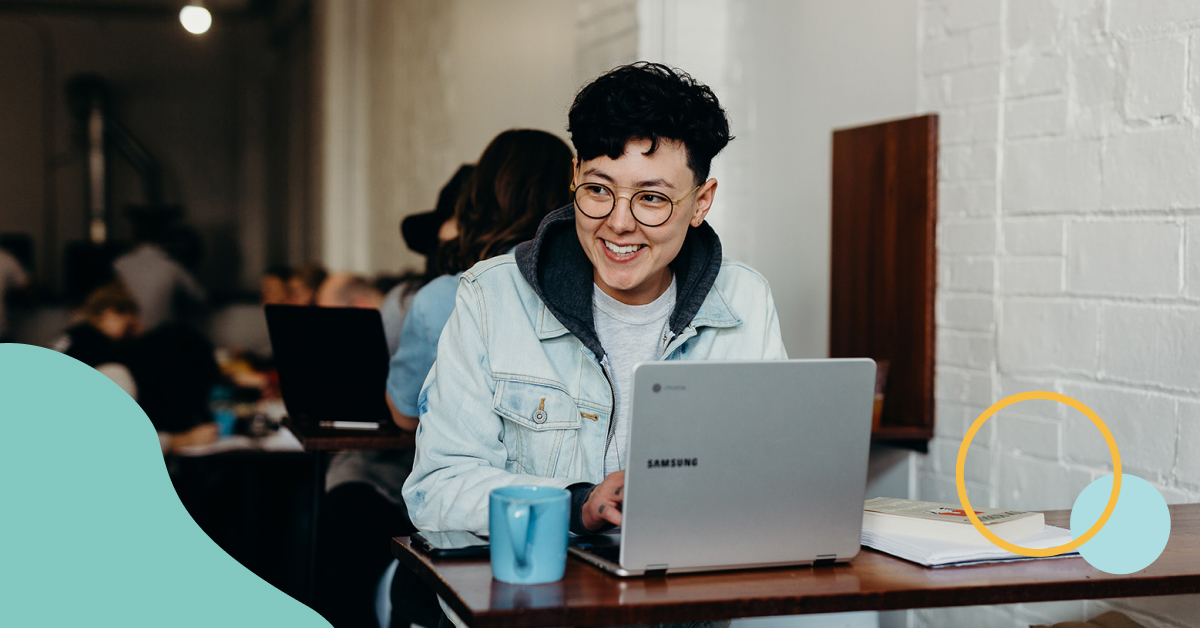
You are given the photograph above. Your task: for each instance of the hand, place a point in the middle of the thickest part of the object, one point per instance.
(604, 503)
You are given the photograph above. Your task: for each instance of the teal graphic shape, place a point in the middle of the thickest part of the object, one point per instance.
(1134, 535)
(91, 530)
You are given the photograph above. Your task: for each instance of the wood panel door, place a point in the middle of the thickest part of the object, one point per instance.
(884, 263)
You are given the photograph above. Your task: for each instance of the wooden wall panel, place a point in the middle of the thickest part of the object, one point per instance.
(884, 263)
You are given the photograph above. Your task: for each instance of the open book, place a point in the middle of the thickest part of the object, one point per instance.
(947, 522)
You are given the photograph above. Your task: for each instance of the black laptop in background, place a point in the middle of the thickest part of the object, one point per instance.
(332, 362)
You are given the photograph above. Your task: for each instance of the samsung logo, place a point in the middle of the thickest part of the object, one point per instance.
(671, 462)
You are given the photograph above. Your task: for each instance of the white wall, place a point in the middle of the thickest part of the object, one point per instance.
(788, 73)
(413, 89)
(1069, 256)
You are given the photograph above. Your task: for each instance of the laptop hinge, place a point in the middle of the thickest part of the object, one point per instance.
(825, 559)
(656, 570)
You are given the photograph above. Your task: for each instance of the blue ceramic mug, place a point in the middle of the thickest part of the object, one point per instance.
(528, 527)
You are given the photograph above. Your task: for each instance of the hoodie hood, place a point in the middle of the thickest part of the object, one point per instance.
(561, 274)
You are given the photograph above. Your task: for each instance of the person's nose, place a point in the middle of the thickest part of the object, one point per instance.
(621, 219)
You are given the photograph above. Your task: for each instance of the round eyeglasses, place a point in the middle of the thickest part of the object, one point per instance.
(651, 208)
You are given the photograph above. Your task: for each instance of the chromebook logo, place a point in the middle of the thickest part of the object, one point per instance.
(1141, 522)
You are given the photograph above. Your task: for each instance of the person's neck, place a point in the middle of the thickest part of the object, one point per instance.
(640, 297)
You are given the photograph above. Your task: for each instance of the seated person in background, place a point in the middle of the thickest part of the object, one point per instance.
(423, 233)
(348, 290)
(302, 286)
(274, 285)
(519, 180)
(522, 176)
(108, 321)
(153, 277)
(629, 272)
(12, 275)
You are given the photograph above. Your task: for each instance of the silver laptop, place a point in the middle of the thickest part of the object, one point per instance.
(736, 465)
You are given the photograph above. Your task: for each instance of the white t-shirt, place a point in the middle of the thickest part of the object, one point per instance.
(629, 334)
(153, 278)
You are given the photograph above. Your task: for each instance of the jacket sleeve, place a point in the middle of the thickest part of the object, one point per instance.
(461, 451)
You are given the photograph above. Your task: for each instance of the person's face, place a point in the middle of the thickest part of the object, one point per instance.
(630, 259)
(298, 292)
(448, 231)
(116, 325)
(274, 290)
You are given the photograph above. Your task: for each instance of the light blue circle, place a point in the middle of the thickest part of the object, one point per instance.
(1135, 534)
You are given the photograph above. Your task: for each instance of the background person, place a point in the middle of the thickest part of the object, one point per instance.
(302, 286)
(12, 275)
(521, 176)
(153, 277)
(348, 290)
(273, 287)
(423, 233)
(101, 339)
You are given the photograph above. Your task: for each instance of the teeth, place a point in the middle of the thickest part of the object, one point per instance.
(621, 250)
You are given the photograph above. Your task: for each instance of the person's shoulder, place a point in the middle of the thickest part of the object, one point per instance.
(494, 269)
(735, 274)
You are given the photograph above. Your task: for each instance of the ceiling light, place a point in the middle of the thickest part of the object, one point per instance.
(196, 19)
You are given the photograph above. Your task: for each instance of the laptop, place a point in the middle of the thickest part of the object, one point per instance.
(736, 465)
(332, 363)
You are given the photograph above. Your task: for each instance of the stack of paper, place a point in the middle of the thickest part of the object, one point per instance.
(936, 553)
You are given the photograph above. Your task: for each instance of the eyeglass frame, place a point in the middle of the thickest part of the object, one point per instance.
(674, 203)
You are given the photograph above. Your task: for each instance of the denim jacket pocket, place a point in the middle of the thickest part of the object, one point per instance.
(541, 428)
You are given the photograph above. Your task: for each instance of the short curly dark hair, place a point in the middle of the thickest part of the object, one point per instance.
(651, 101)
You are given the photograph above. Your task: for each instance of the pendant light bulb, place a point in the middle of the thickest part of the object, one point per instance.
(195, 19)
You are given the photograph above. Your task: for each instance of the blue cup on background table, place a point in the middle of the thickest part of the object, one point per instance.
(528, 529)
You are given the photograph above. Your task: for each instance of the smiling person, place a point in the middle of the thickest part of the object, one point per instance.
(532, 379)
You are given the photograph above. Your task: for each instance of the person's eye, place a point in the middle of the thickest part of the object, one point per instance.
(652, 198)
(597, 190)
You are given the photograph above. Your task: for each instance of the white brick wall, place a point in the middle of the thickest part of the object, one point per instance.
(1069, 257)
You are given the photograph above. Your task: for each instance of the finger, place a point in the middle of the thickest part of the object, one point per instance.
(612, 515)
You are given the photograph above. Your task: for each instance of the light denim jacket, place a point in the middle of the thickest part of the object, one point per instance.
(515, 397)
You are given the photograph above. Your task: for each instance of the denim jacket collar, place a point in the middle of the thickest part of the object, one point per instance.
(559, 271)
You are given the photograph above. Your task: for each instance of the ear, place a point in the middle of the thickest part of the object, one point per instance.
(704, 200)
(574, 170)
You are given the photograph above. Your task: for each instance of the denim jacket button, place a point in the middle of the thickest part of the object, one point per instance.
(539, 416)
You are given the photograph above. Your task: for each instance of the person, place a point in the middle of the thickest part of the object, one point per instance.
(519, 180)
(12, 275)
(302, 286)
(152, 276)
(532, 377)
(348, 290)
(274, 285)
(108, 321)
(521, 176)
(423, 233)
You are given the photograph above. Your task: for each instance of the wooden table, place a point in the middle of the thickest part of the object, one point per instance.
(322, 440)
(588, 596)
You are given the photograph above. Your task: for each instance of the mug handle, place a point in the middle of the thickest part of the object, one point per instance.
(518, 531)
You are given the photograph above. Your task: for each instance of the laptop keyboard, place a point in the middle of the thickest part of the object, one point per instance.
(611, 553)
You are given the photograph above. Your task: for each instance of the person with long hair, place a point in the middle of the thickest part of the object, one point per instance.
(522, 176)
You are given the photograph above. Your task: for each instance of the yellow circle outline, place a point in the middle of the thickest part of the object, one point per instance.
(962, 463)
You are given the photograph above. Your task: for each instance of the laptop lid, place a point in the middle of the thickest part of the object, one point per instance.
(743, 464)
(332, 362)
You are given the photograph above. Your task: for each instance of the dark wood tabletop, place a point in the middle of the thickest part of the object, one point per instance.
(313, 437)
(587, 596)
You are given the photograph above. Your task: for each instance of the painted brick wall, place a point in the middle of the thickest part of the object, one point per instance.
(1069, 257)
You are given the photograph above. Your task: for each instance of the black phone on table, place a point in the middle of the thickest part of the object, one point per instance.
(452, 544)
